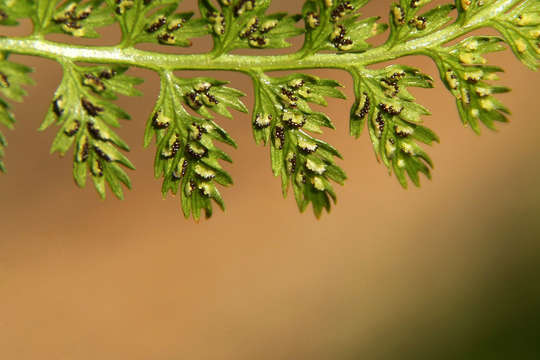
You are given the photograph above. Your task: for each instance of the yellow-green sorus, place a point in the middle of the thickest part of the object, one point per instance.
(405, 130)
(263, 120)
(528, 19)
(268, 25)
(196, 149)
(465, 4)
(474, 76)
(195, 133)
(347, 46)
(175, 24)
(290, 157)
(96, 168)
(487, 104)
(204, 172)
(307, 145)
(465, 96)
(317, 167)
(249, 28)
(103, 133)
(482, 91)
(399, 15)
(296, 83)
(162, 120)
(472, 45)
(318, 183)
(293, 118)
(335, 33)
(304, 92)
(491, 76)
(168, 152)
(258, 42)
(406, 147)
(313, 20)
(452, 80)
(471, 59)
(521, 45)
(71, 127)
(375, 29)
(123, 6)
(390, 149)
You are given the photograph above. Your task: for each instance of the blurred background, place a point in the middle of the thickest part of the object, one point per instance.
(447, 271)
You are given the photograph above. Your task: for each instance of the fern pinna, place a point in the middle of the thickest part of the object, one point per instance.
(182, 124)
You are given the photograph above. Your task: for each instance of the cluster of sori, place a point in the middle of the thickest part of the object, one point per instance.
(383, 101)
(82, 109)
(336, 25)
(164, 28)
(122, 5)
(300, 159)
(466, 75)
(190, 163)
(70, 17)
(253, 29)
(336, 10)
(94, 144)
(200, 95)
(186, 157)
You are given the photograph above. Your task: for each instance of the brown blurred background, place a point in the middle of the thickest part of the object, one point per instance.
(447, 271)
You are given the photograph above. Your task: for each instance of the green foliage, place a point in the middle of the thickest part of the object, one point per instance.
(183, 123)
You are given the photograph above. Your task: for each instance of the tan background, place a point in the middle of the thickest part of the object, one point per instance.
(448, 271)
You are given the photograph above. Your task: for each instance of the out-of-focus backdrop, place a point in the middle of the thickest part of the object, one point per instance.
(447, 271)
